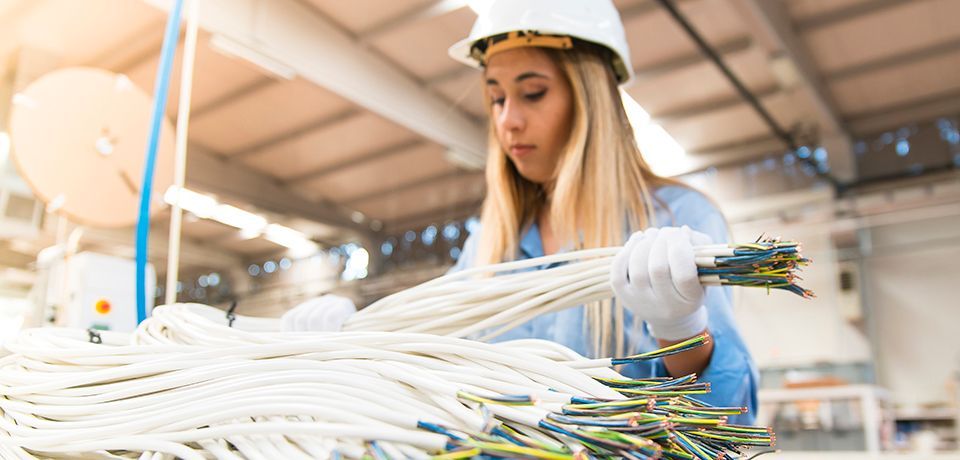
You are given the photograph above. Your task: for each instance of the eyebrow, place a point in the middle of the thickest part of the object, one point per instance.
(521, 77)
(527, 75)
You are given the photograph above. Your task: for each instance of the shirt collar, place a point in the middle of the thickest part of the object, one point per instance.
(530, 244)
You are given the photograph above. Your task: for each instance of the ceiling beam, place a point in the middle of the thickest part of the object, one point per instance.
(644, 8)
(452, 74)
(701, 108)
(213, 173)
(726, 49)
(144, 46)
(837, 16)
(291, 33)
(355, 161)
(423, 12)
(771, 25)
(896, 60)
(412, 184)
(324, 122)
(893, 116)
(733, 153)
(226, 98)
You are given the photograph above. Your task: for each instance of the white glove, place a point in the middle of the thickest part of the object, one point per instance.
(655, 275)
(326, 313)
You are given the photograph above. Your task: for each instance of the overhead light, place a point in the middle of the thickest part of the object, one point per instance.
(660, 150)
(233, 48)
(207, 207)
(197, 203)
(249, 233)
(298, 243)
(250, 225)
(236, 217)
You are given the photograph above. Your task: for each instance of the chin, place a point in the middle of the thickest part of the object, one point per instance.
(531, 171)
(534, 176)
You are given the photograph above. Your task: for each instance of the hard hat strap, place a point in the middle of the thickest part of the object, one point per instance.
(483, 49)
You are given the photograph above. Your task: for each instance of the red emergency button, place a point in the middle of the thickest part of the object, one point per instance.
(102, 306)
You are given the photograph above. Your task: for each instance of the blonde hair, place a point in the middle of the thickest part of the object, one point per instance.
(602, 189)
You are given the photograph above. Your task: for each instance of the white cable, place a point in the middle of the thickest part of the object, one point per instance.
(180, 160)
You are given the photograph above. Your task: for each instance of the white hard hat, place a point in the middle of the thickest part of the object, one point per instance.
(541, 22)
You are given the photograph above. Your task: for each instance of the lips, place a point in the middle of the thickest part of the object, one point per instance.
(521, 150)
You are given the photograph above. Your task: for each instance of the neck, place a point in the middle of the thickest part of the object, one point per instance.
(546, 189)
(547, 237)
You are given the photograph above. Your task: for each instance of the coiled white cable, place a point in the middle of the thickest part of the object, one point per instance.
(188, 386)
(191, 384)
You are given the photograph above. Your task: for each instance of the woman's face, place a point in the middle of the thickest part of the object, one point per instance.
(532, 109)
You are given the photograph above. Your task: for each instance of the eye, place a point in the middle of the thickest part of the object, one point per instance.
(497, 100)
(534, 97)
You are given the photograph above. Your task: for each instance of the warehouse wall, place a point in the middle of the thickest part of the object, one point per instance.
(785, 330)
(907, 300)
(912, 291)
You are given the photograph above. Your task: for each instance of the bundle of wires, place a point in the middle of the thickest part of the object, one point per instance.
(474, 303)
(769, 264)
(187, 385)
(194, 384)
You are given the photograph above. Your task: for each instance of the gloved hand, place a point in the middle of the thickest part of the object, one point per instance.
(326, 313)
(655, 276)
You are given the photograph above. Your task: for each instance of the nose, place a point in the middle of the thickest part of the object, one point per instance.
(511, 116)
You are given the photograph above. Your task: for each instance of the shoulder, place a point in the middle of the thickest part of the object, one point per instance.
(678, 205)
(680, 197)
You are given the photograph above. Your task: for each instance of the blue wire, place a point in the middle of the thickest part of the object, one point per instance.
(170, 39)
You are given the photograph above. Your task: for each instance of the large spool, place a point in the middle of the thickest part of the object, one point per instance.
(78, 136)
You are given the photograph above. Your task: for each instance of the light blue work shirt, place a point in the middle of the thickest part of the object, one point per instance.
(732, 374)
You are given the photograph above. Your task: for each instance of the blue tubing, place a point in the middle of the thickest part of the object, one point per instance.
(170, 39)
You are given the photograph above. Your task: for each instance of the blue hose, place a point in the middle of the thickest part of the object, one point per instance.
(170, 39)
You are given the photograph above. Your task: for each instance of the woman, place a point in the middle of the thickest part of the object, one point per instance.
(564, 172)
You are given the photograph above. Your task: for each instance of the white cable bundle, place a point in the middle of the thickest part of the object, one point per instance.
(293, 396)
(189, 385)
(474, 301)
(467, 302)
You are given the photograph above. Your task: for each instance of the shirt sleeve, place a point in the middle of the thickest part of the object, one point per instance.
(731, 372)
